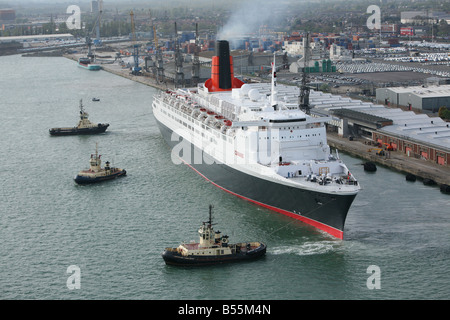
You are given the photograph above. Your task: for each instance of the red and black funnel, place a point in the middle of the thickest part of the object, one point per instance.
(222, 73)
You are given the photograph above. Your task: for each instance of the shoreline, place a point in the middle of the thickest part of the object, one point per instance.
(119, 71)
(394, 160)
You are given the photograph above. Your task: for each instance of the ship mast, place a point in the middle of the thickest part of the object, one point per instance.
(83, 114)
(273, 96)
(210, 215)
(206, 231)
(304, 89)
(95, 162)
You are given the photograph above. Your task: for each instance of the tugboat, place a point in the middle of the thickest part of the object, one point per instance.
(84, 126)
(96, 173)
(213, 248)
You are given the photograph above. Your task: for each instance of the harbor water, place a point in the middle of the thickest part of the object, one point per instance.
(396, 242)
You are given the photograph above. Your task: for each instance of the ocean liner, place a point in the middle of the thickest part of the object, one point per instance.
(253, 140)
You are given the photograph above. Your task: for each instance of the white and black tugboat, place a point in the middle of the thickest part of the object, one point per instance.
(213, 248)
(84, 126)
(96, 173)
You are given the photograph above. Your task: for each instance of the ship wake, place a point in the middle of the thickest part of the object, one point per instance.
(307, 248)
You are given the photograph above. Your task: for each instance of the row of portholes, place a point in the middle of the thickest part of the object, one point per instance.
(291, 137)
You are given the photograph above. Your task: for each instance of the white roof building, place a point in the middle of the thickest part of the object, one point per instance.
(406, 125)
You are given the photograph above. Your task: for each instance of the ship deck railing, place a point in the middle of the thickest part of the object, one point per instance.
(187, 114)
(335, 180)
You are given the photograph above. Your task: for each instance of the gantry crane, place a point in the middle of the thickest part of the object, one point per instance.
(179, 74)
(159, 59)
(89, 39)
(136, 69)
(98, 22)
(196, 63)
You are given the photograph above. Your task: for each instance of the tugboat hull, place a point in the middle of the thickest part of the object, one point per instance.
(80, 179)
(101, 128)
(172, 257)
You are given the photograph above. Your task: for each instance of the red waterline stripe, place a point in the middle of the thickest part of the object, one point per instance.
(330, 230)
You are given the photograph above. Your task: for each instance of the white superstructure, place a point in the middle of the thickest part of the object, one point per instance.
(242, 129)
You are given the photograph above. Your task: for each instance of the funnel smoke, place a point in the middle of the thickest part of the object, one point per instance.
(250, 16)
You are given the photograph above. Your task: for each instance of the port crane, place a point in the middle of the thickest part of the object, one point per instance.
(97, 23)
(159, 59)
(196, 63)
(89, 42)
(179, 74)
(136, 70)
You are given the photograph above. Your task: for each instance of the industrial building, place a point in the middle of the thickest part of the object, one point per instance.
(423, 98)
(314, 64)
(416, 135)
(41, 37)
(7, 15)
(421, 16)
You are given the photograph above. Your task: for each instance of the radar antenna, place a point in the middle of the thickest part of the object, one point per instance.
(273, 95)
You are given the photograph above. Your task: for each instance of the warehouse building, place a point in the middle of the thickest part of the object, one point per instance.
(423, 98)
(415, 135)
(37, 38)
(7, 15)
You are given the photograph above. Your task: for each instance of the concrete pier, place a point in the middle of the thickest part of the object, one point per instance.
(392, 159)
(116, 69)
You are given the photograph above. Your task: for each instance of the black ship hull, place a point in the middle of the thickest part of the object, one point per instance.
(101, 128)
(175, 258)
(324, 211)
(88, 180)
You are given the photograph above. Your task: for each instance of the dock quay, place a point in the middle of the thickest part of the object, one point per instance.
(116, 69)
(357, 147)
(392, 159)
